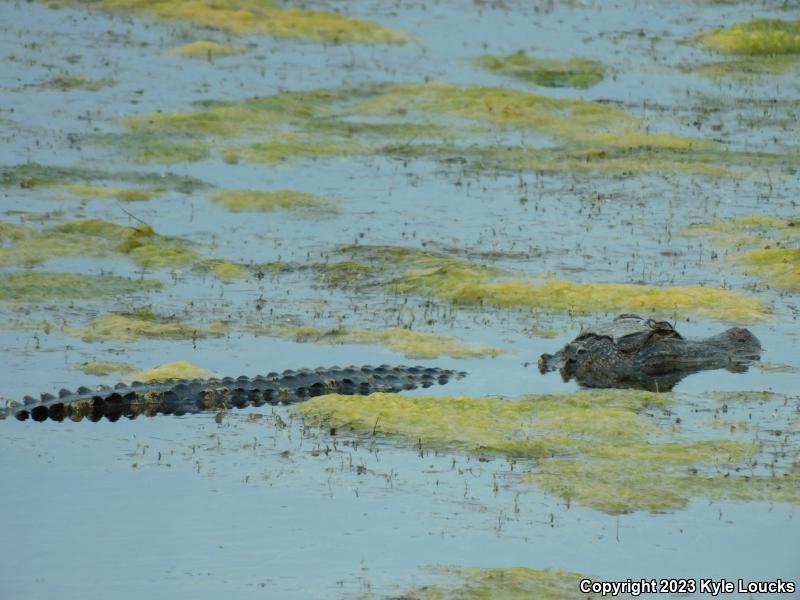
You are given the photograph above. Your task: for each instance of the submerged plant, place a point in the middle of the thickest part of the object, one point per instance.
(413, 344)
(246, 17)
(129, 327)
(756, 37)
(598, 448)
(572, 72)
(514, 583)
(764, 245)
(43, 286)
(261, 201)
(206, 49)
(764, 46)
(463, 282)
(180, 369)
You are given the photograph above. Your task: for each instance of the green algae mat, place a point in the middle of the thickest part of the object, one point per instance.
(603, 449)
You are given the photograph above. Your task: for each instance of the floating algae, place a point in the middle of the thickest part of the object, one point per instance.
(744, 396)
(180, 369)
(102, 368)
(11, 232)
(280, 151)
(76, 82)
(773, 254)
(462, 282)
(225, 270)
(573, 72)
(260, 201)
(748, 67)
(624, 486)
(41, 286)
(31, 175)
(141, 243)
(515, 583)
(598, 448)
(344, 273)
(85, 190)
(745, 224)
(259, 17)
(404, 120)
(129, 327)
(95, 237)
(493, 426)
(756, 37)
(765, 46)
(206, 49)
(571, 119)
(413, 344)
(778, 266)
(639, 157)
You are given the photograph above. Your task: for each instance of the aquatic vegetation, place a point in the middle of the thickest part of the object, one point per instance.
(773, 255)
(624, 486)
(206, 49)
(39, 247)
(748, 67)
(11, 232)
(95, 237)
(180, 369)
(695, 159)
(129, 327)
(515, 583)
(765, 47)
(412, 344)
(31, 175)
(598, 448)
(739, 225)
(101, 368)
(279, 151)
(487, 425)
(405, 120)
(342, 273)
(463, 282)
(372, 132)
(85, 190)
(563, 119)
(572, 72)
(260, 17)
(41, 286)
(756, 37)
(744, 396)
(778, 266)
(141, 243)
(259, 201)
(170, 152)
(76, 82)
(225, 270)
(217, 121)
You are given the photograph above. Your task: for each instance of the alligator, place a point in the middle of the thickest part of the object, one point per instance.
(179, 397)
(632, 352)
(627, 352)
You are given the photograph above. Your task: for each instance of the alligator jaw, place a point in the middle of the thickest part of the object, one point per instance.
(734, 349)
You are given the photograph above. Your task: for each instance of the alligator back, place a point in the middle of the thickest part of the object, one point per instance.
(177, 397)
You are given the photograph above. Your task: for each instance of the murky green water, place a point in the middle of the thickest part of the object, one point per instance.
(267, 507)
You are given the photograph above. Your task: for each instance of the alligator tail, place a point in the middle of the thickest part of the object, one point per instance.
(178, 397)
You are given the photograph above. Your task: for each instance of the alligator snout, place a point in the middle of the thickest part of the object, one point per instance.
(743, 336)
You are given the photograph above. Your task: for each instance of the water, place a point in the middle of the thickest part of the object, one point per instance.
(171, 507)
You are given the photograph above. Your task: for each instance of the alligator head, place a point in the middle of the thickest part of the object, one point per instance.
(643, 353)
